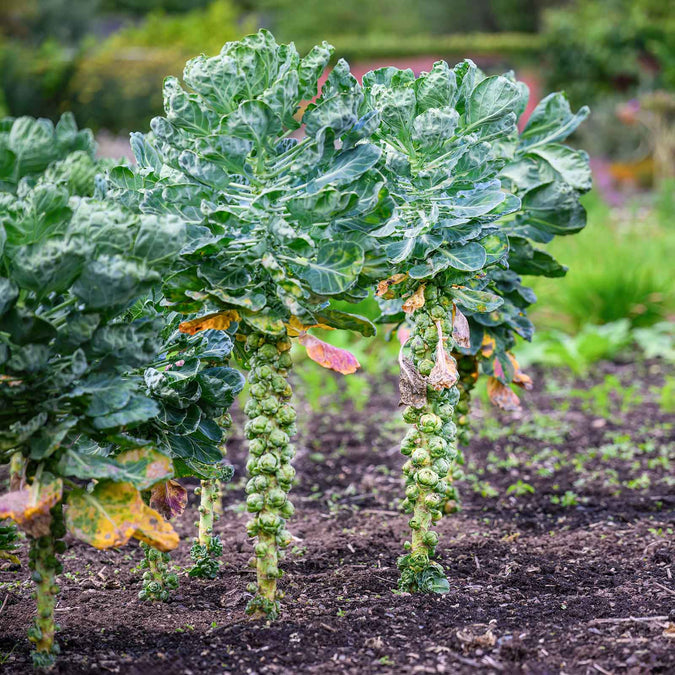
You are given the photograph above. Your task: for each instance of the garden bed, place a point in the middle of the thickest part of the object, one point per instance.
(561, 559)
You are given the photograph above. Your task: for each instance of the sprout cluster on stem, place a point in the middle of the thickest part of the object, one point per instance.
(269, 429)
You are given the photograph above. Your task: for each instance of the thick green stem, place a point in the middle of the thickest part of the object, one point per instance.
(270, 426)
(45, 568)
(207, 548)
(430, 446)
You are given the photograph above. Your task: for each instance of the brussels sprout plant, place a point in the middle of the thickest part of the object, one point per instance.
(70, 267)
(276, 226)
(469, 197)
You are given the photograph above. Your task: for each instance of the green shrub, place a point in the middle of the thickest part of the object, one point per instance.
(118, 85)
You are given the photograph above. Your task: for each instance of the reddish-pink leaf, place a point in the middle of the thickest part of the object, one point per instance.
(403, 334)
(169, 498)
(519, 377)
(502, 395)
(329, 356)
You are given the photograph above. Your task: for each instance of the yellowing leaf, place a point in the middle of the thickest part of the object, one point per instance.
(444, 373)
(169, 498)
(295, 327)
(328, 356)
(384, 286)
(215, 321)
(107, 517)
(155, 531)
(501, 395)
(488, 346)
(415, 301)
(150, 466)
(519, 377)
(461, 333)
(29, 508)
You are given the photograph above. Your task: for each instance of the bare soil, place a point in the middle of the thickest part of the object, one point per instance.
(568, 571)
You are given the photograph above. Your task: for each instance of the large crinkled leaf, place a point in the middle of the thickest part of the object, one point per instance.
(29, 508)
(142, 467)
(553, 209)
(348, 166)
(137, 409)
(107, 517)
(253, 121)
(491, 99)
(525, 259)
(8, 294)
(334, 269)
(551, 121)
(346, 321)
(572, 165)
(437, 88)
(113, 281)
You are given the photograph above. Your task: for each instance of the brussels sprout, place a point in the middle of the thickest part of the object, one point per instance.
(433, 500)
(264, 372)
(269, 405)
(412, 492)
(257, 446)
(257, 391)
(430, 539)
(252, 408)
(278, 438)
(276, 497)
(286, 415)
(268, 463)
(437, 312)
(255, 502)
(441, 466)
(430, 336)
(267, 352)
(425, 367)
(427, 477)
(258, 426)
(411, 415)
(419, 457)
(283, 345)
(285, 360)
(270, 522)
(437, 446)
(429, 423)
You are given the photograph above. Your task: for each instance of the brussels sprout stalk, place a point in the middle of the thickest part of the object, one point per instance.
(468, 374)
(429, 444)
(270, 426)
(207, 547)
(45, 567)
(158, 579)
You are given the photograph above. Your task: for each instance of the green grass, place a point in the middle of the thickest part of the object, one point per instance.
(620, 267)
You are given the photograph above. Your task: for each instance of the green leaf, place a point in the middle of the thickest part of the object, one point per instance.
(551, 121)
(112, 281)
(476, 301)
(492, 98)
(346, 321)
(142, 467)
(437, 88)
(8, 294)
(467, 258)
(572, 165)
(348, 166)
(254, 121)
(553, 209)
(137, 409)
(334, 270)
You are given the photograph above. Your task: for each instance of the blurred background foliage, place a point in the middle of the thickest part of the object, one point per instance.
(105, 60)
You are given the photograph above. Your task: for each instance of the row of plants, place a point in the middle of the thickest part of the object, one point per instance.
(241, 227)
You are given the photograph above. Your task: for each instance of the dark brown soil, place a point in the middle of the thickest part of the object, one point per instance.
(569, 570)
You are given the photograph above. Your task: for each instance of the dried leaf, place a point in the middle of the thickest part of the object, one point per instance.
(384, 286)
(329, 356)
(444, 374)
(461, 333)
(415, 301)
(295, 327)
(169, 498)
(29, 508)
(412, 386)
(488, 346)
(155, 531)
(519, 377)
(215, 321)
(502, 396)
